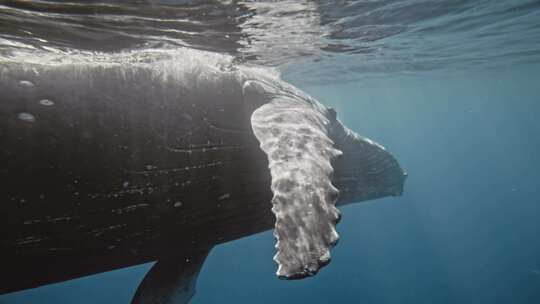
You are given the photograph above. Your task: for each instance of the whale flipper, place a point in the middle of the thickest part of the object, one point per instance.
(171, 280)
(294, 135)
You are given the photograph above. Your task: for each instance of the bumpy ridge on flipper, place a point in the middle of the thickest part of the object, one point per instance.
(295, 138)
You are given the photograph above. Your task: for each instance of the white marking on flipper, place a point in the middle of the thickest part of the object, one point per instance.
(294, 136)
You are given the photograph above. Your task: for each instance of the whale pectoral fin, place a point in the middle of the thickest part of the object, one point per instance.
(295, 138)
(171, 280)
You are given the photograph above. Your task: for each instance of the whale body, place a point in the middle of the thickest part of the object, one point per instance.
(113, 161)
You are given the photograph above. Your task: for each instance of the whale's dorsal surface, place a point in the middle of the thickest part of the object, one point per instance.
(204, 119)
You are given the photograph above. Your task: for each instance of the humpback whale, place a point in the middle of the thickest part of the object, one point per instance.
(109, 161)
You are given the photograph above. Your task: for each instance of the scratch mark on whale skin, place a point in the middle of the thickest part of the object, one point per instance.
(181, 169)
(130, 208)
(139, 190)
(222, 129)
(203, 149)
(29, 240)
(101, 231)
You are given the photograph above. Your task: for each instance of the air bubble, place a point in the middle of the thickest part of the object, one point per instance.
(24, 116)
(26, 84)
(46, 102)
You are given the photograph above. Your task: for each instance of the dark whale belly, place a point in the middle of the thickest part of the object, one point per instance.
(106, 167)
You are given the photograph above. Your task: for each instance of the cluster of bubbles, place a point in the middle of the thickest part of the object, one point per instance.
(26, 116)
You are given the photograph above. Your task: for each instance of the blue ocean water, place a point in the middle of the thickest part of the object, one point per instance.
(466, 228)
(465, 231)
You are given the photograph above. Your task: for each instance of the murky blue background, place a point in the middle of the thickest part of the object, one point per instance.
(465, 231)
